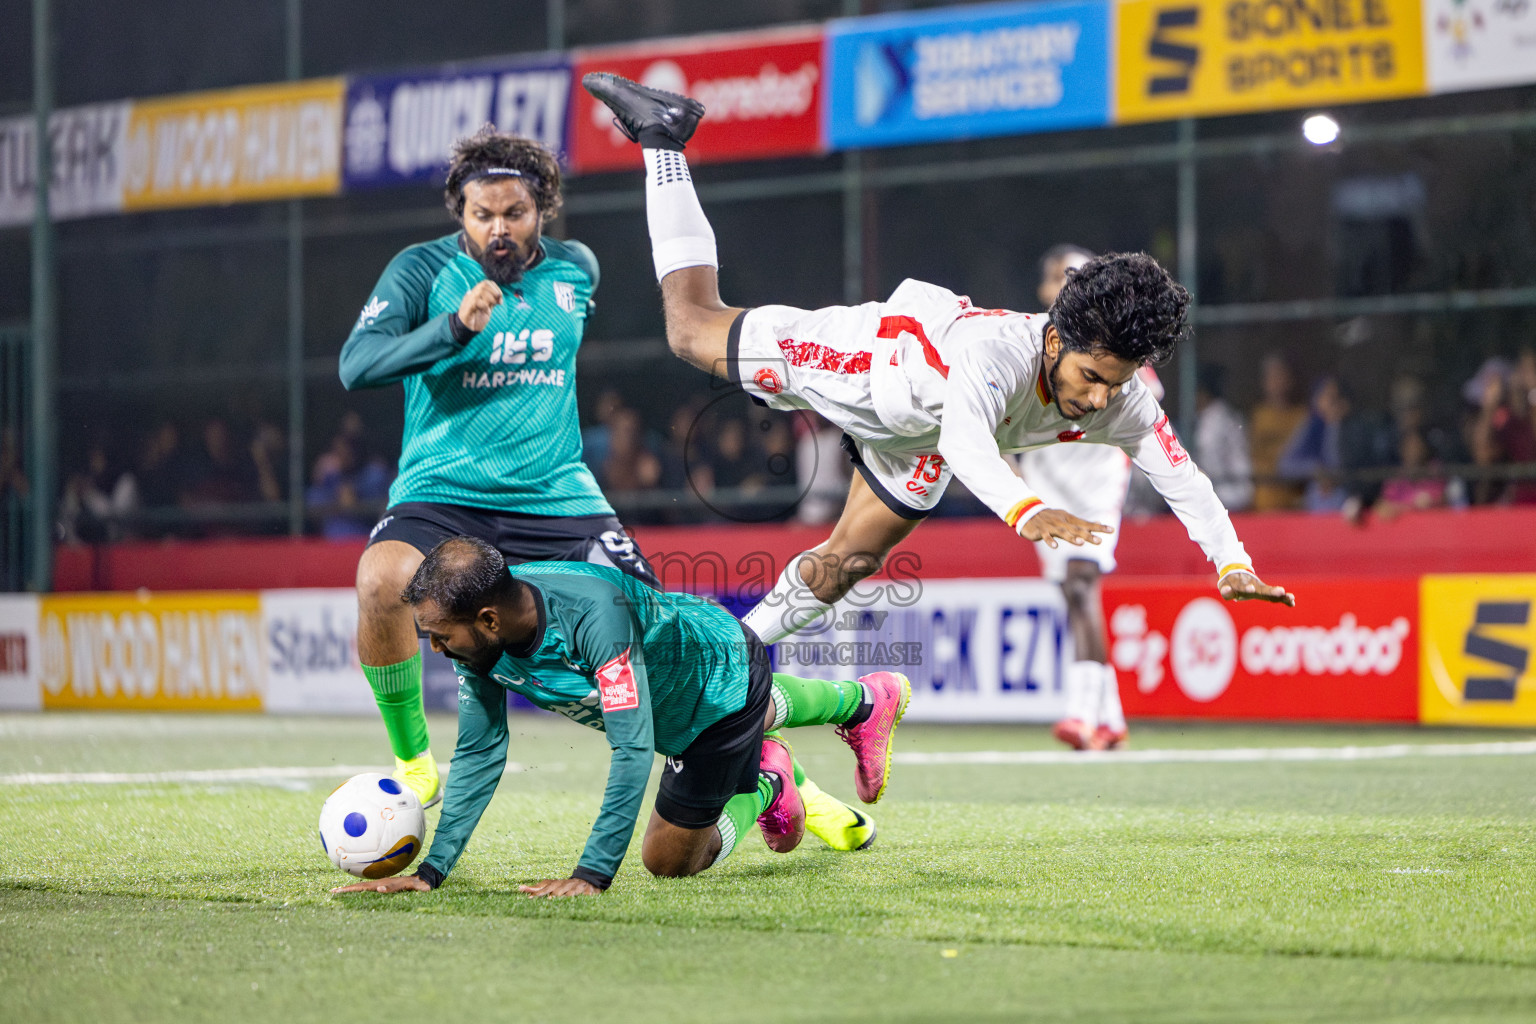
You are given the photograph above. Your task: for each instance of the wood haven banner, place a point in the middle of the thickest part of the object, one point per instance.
(1478, 635)
(240, 145)
(157, 652)
(1189, 58)
(761, 93)
(1346, 652)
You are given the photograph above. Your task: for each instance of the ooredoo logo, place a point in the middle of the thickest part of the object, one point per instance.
(768, 94)
(769, 380)
(1346, 648)
(1203, 649)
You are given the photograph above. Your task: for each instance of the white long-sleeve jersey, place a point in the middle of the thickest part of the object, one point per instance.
(969, 384)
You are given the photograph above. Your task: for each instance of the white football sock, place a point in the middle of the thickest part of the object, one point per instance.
(1083, 682)
(1110, 712)
(788, 607)
(680, 233)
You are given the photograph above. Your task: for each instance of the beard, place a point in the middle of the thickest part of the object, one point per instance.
(482, 657)
(503, 261)
(1053, 385)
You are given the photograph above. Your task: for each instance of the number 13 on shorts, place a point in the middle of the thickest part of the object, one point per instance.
(930, 469)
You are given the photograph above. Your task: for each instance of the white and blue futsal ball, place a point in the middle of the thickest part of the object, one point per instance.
(372, 826)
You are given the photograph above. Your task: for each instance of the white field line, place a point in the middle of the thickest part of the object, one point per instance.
(1225, 756)
(965, 757)
(211, 775)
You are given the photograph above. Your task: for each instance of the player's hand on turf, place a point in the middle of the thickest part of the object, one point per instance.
(1245, 586)
(475, 308)
(561, 887)
(1054, 525)
(396, 883)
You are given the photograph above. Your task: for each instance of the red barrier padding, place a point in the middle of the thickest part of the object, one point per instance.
(692, 557)
(1348, 651)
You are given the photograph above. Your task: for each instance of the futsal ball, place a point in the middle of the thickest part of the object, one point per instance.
(371, 826)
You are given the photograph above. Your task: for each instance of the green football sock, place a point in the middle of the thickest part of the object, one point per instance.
(800, 702)
(397, 690)
(739, 814)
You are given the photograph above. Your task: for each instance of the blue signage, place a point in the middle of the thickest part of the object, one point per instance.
(400, 128)
(1004, 69)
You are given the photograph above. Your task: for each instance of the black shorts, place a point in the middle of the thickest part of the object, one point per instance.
(723, 759)
(520, 538)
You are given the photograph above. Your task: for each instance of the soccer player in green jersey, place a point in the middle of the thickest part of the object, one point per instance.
(658, 673)
(481, 327)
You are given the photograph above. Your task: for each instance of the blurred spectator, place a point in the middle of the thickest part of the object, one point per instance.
(159, 457)
(1419, 486)
(821, 469)
(1333, 442)
(268, 446)
(1271, 425)
(214, 474)
(595, 439)
(631, 465)
(1221, 444)
(13, 478)
(1503, 433)
(730, 459)
(345, 497)
(96, 502)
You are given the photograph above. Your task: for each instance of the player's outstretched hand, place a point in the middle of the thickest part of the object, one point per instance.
(1053, 525)
(475, 308)
(561, 887)
(1245, 586)
(395, 883)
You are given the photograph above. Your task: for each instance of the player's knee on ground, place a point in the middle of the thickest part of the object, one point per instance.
(676, 852)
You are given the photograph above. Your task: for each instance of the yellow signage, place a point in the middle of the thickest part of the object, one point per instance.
(239, 145)
(1187, 58)
(1476, 640)
(159, 652)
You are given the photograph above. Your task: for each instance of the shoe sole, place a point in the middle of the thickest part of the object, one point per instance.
(890, 745)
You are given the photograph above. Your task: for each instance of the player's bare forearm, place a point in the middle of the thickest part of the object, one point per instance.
(1054, 524)
(1245, 586)
(399, 883)
(557, 887)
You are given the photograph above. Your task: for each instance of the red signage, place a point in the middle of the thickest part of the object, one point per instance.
(1348, 651)
(761, 93)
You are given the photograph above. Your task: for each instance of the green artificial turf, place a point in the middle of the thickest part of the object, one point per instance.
(1373, 890)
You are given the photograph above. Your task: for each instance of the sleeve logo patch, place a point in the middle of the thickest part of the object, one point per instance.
(371, 312)
(616, 684)
(1177, 456)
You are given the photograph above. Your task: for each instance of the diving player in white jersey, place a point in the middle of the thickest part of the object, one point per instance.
(925, 385)
(1089, 480)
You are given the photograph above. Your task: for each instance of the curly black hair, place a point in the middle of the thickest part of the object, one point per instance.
(490, 148)
(461, 576)
(1125, 304)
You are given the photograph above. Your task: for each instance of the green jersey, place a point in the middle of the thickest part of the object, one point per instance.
(652, 670)
(492, 422)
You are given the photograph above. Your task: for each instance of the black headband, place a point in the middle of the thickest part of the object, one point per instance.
(502, 172)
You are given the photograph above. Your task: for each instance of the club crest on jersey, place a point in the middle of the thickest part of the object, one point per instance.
(1070, 435)
(769, 380)
(1177, 456)
(616, 684)
(565, 296)
(371, 312)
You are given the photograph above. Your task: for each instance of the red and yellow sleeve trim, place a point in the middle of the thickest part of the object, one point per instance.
(1020, 510)
(1234, 567)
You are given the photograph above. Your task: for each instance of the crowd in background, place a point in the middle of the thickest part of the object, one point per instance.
(727, 460)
